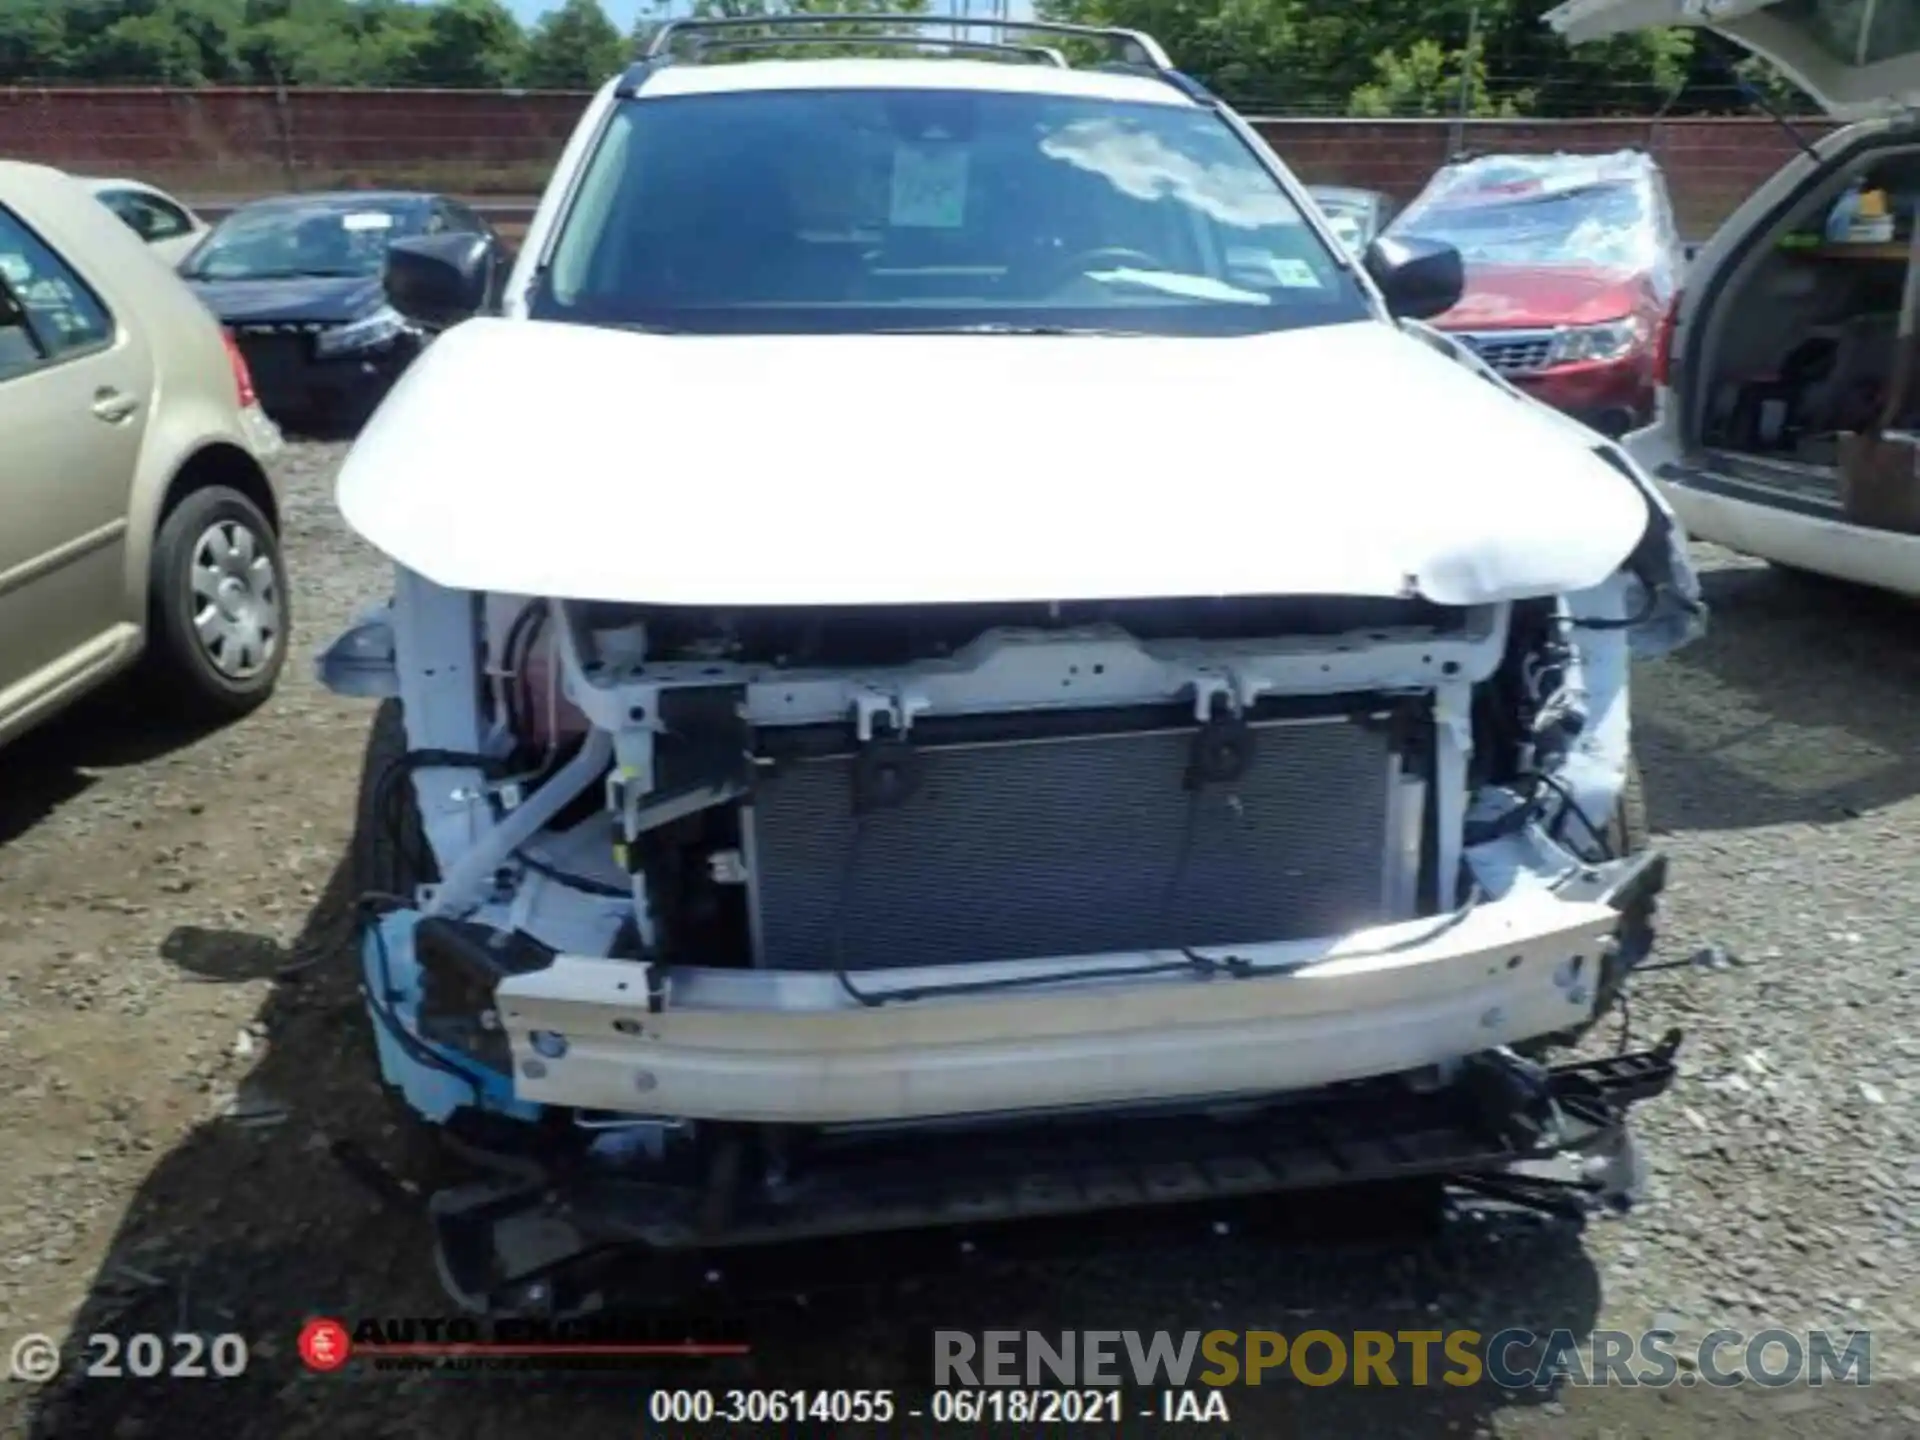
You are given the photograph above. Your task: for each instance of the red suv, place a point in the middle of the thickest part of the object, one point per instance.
(1571, 261)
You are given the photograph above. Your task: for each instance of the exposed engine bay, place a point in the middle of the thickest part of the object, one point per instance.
(653, 873)
(861, 823)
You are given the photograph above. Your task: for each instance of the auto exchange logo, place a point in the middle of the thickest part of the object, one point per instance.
(328, 1344)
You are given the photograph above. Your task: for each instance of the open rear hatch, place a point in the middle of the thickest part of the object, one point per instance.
(1858, 58)
(1795, 346)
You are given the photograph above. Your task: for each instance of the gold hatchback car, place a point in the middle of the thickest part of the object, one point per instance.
(138, 520)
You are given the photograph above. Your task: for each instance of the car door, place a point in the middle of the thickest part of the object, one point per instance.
(75, 386)
(170, 229)
(1857, 60)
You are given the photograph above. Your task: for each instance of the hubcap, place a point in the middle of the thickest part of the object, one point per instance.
(236, 600)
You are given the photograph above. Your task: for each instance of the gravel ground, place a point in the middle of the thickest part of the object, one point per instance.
(175, 1090)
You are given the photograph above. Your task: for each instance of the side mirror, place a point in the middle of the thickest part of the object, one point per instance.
(1418, 278)
(438, 280)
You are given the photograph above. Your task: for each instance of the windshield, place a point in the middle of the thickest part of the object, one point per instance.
(283, 241)
(865, 210)
(1604, 226)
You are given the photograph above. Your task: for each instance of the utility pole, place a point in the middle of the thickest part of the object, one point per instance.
(1469, 59)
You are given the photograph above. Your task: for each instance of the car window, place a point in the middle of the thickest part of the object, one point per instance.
(19, 349)
(879, 209)
(451, 219)
(65, 315)
(462, 220)
(283, 239)
(150, 217)
(1608, 224)
(1354, 218)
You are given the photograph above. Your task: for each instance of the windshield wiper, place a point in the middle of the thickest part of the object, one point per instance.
(995, 327)
(275, 275)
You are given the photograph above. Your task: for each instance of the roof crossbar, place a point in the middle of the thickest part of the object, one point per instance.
(1135, 47)
(1039, 54)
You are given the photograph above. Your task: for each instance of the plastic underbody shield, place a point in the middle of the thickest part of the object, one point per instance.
(554, 1244)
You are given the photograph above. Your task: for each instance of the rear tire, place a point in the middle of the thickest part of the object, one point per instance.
(218, 606)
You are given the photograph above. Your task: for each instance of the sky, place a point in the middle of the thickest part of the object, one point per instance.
(624, 12)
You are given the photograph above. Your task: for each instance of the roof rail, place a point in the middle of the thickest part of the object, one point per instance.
(1041, 54)
(1135, 47)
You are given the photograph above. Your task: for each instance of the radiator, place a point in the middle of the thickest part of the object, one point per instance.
(1076, 845)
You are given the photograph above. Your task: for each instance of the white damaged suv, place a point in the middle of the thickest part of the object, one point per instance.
(954, 657)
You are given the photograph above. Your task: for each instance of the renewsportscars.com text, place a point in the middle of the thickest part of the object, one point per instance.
(1512, 1359)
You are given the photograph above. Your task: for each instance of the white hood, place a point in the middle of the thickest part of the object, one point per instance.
(544, 459)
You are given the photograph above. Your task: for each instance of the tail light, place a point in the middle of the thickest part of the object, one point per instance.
(242, 376)
(1663, 344)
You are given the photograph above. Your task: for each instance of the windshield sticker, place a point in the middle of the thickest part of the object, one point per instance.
(929, 187)
(15, 270)
(367, 220)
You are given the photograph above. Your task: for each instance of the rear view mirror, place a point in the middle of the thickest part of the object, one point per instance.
(439, 280)
(1418, 278)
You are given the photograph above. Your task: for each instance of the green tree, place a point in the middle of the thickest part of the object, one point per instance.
(178, 42)
(1635, 74)
(86, 22)
(303, 42)
(1305, 56)
(1392, 57)
(33, 40)
(1427, 79)
(469, 44)
(573, 48)
(150, 47)
(217, 30)
(390, 36)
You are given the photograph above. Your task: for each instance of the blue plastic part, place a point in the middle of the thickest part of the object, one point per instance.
(392, 978)
(1845, 211)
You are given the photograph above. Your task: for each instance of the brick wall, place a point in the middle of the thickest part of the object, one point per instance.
(232, 142)
(218, 142)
